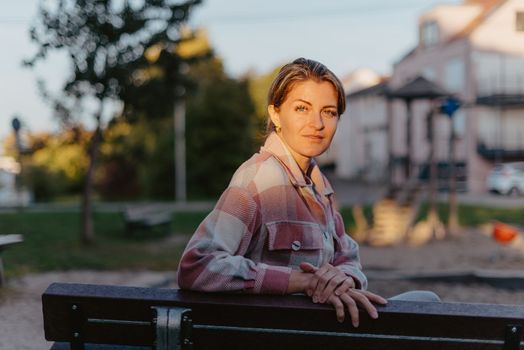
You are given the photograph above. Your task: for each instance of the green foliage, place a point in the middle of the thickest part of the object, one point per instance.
(56, 163)
(349, 220)
(137, 160)
(120, 52)
(258, 89)
(106, 42)
(219, 120)
(471, 215)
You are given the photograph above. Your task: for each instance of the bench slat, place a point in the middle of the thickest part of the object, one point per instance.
(402, 325)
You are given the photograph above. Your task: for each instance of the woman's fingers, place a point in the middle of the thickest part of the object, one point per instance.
(337, 280)
(375, 298)
(362, 300)
(339, 307)
(324, 281)
(313, 283)
(352, 308)
(351, 300)
(346, 285)
(307, 267)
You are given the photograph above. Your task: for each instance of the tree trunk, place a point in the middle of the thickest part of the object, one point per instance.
(87, 229)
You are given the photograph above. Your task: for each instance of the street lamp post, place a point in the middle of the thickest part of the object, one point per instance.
(180, 150)
(449, 107)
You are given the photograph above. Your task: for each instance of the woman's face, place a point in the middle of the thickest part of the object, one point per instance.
(307, 119)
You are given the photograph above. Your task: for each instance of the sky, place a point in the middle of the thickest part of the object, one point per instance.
(249, 35)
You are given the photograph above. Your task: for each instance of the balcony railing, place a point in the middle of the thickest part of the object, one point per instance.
(501, 91)
(500, 153)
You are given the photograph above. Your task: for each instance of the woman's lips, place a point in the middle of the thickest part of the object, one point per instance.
(314, 137)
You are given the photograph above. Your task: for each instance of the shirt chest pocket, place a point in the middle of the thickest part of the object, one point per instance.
(290, 242)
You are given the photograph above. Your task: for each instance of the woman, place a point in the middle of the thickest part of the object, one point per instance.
(275, 229)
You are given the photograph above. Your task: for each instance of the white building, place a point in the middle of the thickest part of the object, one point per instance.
(474, 50)
(10, 194)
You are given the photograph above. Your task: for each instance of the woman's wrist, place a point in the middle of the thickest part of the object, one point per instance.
(298, 281)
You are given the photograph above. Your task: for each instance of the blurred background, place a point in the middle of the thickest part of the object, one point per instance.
(121, 123)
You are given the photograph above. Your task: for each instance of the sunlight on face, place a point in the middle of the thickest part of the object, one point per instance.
(308, 119)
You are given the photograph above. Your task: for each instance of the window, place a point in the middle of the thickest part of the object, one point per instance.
(429, 73)
(519, 22)
(454, 75)
(430, 34)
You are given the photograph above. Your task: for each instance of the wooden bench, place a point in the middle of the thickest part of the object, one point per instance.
(79, 316)
(6, 241)
(146, 216)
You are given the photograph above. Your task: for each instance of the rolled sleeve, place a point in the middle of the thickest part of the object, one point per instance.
(272, 279)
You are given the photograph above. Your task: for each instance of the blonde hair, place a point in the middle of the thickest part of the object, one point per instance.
(301, 69)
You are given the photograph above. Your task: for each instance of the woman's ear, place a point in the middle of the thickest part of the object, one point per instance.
(273, 115)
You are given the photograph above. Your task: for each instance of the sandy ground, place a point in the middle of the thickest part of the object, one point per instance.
(21, 325)
(471, 253)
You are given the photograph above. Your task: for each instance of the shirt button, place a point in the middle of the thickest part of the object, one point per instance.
(296, 245)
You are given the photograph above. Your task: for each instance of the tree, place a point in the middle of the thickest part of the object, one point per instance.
(53, 163)
(258, 89)
(105, 41)
(219, 123)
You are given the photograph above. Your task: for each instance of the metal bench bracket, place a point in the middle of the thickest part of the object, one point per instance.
(77, 323)
(512, 337)
(173, 328)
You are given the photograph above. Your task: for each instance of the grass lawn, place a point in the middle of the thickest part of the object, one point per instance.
(51, 242)
(469, 215)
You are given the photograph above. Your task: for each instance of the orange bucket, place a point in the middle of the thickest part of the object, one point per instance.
(504, 233)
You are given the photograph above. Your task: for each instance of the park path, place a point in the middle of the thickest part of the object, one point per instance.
(21, 324)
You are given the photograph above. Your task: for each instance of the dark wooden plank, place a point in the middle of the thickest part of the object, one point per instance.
(175, 296)
(245, 340)
(470, 321)
(65, 346)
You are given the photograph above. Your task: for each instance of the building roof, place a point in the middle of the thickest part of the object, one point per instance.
(419, 88)
(378, 89)
(488, 8)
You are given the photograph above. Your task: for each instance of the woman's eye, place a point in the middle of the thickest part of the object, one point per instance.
(300, 108)
(330, 113)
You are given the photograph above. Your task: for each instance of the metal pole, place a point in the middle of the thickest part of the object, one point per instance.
(389, 133)
(180, 151)
(433, 173)
(409, 140)
(453, 223)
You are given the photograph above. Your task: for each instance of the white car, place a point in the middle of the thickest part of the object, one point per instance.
(507, 178)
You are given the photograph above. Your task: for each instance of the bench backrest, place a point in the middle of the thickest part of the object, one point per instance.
(79, 313)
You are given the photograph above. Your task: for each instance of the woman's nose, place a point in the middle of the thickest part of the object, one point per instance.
(316, 121)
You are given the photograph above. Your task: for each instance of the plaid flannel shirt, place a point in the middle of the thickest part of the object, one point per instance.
(269, 220)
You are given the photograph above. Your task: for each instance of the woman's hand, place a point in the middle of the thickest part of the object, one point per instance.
(339, 288)
(351, 299)
(326, 280)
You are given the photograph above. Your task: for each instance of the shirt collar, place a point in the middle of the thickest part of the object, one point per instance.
(277, 148)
